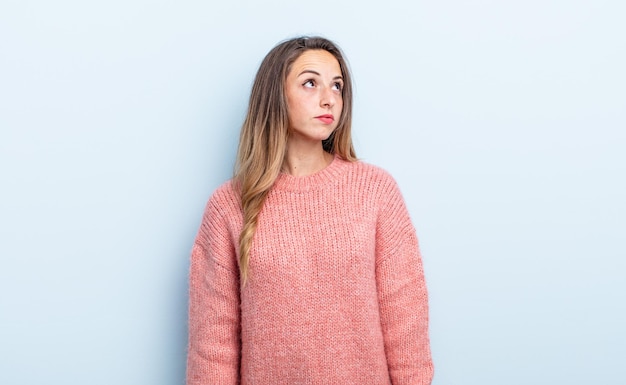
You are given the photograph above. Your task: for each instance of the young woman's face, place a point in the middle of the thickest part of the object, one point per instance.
(313, 91)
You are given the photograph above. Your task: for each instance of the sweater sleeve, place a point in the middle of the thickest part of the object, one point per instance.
(213, 355)
(402, 295)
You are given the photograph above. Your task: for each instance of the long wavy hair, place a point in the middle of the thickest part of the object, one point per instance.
(265, 131)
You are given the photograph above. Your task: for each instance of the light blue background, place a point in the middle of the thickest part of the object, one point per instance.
(503, 121)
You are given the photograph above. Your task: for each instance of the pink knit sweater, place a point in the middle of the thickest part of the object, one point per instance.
(336, 293)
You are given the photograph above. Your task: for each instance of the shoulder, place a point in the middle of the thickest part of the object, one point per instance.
(224, 201)
(222, 213)
(372, 176)
(225, 192)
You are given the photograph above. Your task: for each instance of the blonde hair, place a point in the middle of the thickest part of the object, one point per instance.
(264, 134)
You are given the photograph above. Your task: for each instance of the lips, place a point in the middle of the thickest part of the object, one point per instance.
(326, 119)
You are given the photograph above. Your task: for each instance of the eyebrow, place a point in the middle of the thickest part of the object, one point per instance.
(318, 74)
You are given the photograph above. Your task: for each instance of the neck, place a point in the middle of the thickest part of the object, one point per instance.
(305, 161)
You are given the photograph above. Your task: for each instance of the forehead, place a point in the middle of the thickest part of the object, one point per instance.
(319, 60)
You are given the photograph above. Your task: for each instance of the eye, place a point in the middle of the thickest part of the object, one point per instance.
(338, 86)
(309, 84)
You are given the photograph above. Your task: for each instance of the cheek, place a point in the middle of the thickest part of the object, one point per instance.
(296, 112)
(301, 105)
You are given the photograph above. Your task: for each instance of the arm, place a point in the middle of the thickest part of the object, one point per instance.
(214, 321)
(402, 294)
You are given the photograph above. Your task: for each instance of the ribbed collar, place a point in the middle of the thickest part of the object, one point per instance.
(323, 178)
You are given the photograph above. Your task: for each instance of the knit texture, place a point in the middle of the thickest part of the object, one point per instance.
(336, 292)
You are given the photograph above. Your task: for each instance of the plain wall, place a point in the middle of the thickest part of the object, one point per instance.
(503, 122)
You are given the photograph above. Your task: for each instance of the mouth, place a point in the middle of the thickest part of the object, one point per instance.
(326, 119)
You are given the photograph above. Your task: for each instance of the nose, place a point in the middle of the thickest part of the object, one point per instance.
(328, 97)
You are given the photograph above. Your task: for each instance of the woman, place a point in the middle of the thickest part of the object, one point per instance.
(306, 268)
